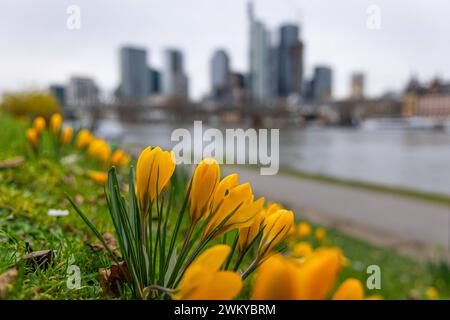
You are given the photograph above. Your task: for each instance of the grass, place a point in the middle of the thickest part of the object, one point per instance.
(401, 277)
(400, 191)
(28, 191)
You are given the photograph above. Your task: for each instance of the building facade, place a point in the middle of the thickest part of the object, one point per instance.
(290, 61)
(220, 77)
(357, 86)
(431, 100)
(260, 61)
(322, 90)
(155, 83)
(82, 92)
(175, 81)
(134, 78)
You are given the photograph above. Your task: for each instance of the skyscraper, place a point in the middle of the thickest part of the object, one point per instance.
(134, 80)
(260, 62)
(154, 81)
(290, 61)
(220, 76)
(322, 84)
(175, 81)
(220, 69)
(357, 86)
(82, 92)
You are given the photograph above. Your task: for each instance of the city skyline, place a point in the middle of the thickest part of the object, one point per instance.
(341, 41)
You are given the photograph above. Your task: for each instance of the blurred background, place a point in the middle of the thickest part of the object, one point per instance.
(360, 91)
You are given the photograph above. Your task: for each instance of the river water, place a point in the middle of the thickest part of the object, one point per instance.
(416, 159)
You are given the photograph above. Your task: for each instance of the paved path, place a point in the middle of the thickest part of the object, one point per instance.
(411, 226)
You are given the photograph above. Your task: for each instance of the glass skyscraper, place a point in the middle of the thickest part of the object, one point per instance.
(290, 61)
(175, 81)
(134, 79)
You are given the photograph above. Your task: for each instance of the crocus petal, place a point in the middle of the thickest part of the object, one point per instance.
(248, 234)
(223, 189)
(350, 289)
(275, 279)
(143, 170)
(224, 285)
(204, 183)
(55, 123)
(39, 124)
(84, 137)
(318, 273)
(66, 135)
(202, 280)
(213, 257)
(302, 249)
(276, 227)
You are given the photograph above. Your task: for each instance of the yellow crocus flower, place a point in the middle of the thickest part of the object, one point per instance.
(153, 165)
(99, 149)
(237, 207)
(320, 234)
(276, 279)
(283, 278)
(119, 157)
(276, 227)
(224, 187)
(302, 250)
(84, 138)
(350, 289)
(203, 279)
(39, 124)
(318, 273)
(33, 137)
(248, 234)
(55, 123)
(66, 135)
(204, 183)
(272, 208)
(304, 230)
(98, 176)
(431, 293)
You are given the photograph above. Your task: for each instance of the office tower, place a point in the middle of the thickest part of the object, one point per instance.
(308, 90)
(154, 82)
(133, 74)
(175, 81)
(274, 57)
(357, 86)
(220, 70)
(322, 84)
(59, 92)
(220, 77)
(260, 86)
(290, 61)
(82, 91)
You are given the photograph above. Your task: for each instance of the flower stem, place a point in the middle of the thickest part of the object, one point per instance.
(250, 269)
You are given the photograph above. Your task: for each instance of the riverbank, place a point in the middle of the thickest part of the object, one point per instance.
(398, 191)
(399, 221)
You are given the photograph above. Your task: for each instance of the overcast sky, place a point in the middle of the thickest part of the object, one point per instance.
(36, 47)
